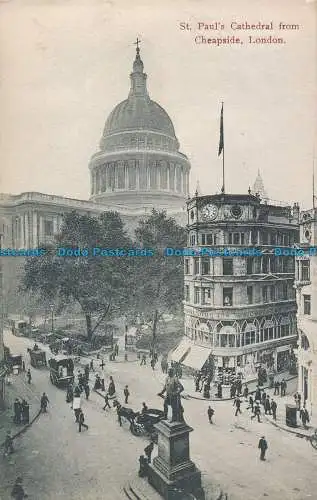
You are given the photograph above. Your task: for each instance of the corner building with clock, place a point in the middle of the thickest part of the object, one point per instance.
(240, 311)
(306, 288)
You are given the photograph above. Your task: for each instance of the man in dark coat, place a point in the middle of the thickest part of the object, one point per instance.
(210, 413)
(148, 451)
(273, 408)
(44, 402)
(81, 421)
(276, 388)
(8, 445)
(304, 415)
(267, 405)
(17, 411)
(256, 412)
(17, 491)
(25, 412)
(251, 402)
(263, 447)
(87, 390)
(237, 404)
(126, 394)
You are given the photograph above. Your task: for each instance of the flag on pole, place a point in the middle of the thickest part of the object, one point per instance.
(221, 132)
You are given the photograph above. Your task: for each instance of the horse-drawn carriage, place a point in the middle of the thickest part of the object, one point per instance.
(61, 371)
(37, 357)
(14, 363)
(141, 424)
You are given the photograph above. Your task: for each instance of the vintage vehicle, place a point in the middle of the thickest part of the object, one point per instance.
(37, 357)
(61, 370)
(14, 363)
(143, 423)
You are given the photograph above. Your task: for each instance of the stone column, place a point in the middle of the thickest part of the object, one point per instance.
(126, 180)
(22, 236)
(41, 232)
(55, 225)
(26, 227)
(34, 227)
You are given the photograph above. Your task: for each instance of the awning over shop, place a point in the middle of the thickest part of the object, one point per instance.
(197, 357)
(181, 350)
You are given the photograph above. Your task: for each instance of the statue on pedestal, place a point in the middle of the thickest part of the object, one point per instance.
(173, 389)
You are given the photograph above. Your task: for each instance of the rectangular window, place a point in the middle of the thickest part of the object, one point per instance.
(236, 238)
(305, 270)
(250, 294)
(307, 304)
(48, 228)
(187, 266)
(193, 239)
(249, 265)
(205, 266)
(203, 239)
(264, 294)
(207, 296)
(227, 297)
(273, 238)
(265, 264)
(187, 293)
(196, 266)
(196, 295)
(230, 239)
(210, 239)
(273, 293)
(121, 177)
(242, 238)
(172, 177)
(163, 173)
(265, 238)
(284, 291)
(227, 266)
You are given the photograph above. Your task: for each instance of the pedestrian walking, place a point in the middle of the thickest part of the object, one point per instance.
(210, 413)
(107, 405)
(276, 388)
(256, 413)
(44, 402)
(8, 444)
(23, 366)
(263, 398)
(87, 390)
(245, 392)
(81, 421)
(273, 408)
(25, 412)
(267, 406)
(148, 451)
(143, 360)
(92, 365)
(152, 363)
(304, 416)
(28, 376)
(262, 447)
(126, 394)
(18, 492)
(111, 389)
(283, 387)
(118, 405)
(237, 404)
(251, 403)
(17, 411)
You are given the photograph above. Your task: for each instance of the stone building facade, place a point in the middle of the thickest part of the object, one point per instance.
(306, 287)
(240, 309)
(138, 167)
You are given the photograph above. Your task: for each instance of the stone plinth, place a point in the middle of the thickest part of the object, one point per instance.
(172, 469)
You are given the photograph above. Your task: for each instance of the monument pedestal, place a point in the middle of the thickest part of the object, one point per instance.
(172, 473)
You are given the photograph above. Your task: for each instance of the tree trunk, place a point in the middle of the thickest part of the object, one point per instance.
(155, 321)
(88, 326)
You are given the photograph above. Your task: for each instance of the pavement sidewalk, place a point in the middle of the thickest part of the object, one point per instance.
(18, 388)
(189, 384)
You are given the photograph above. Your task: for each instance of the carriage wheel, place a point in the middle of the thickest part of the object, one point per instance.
(136, 430)
(313, 441)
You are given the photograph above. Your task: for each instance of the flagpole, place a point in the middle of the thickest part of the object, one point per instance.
(223, 156)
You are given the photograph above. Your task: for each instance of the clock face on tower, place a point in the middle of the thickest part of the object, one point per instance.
(209, 212)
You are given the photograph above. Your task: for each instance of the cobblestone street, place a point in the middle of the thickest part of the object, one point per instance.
(59, 463)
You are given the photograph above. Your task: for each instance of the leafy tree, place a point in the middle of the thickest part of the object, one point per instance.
(158, 280)
(99, 284)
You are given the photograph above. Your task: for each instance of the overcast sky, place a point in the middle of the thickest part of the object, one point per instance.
(66, 64)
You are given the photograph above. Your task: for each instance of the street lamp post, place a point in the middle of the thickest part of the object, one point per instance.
(52, 316)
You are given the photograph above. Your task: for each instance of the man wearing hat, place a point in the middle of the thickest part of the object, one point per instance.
(17, 490)
(263, 447)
